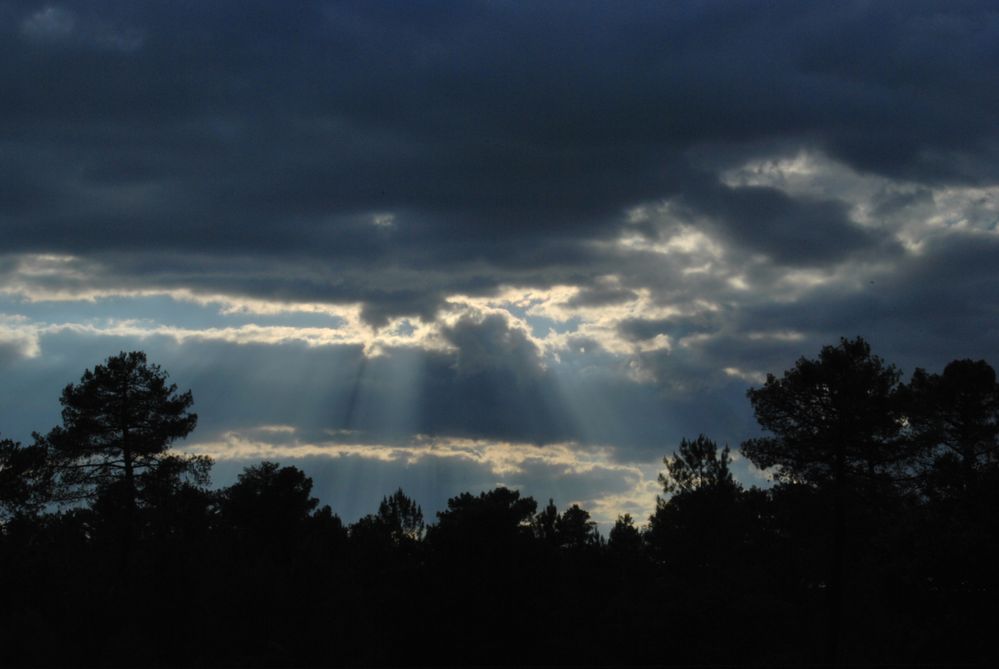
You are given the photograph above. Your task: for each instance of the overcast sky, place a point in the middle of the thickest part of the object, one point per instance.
(453, 245)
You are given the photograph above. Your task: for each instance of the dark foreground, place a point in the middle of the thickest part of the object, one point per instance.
(876, 545)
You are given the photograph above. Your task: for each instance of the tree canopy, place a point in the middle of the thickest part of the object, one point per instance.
(25, 478)
(830, 419)
(117, 423)
(953, 419)
(492, 518)
(696, 464)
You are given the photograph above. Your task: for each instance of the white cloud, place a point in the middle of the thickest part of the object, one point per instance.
(752, 377)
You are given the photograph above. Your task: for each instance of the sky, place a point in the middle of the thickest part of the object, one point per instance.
(453, 245)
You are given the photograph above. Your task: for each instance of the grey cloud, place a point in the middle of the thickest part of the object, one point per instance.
(494, 386)
(641, 329)
(601, 295)
(929, 309)
(503, 133)
(792, 232)
(381, 306)
(490, 344)
(10, 352)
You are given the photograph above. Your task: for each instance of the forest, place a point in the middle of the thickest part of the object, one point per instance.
(875, 543)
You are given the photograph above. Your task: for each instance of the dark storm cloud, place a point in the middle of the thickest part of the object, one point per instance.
(601, 295)
(790, 231)
(932, 308)
(489, 130)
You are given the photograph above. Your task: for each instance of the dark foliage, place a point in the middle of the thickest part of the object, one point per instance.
(117, 424)
(25, 478)
(876, 545)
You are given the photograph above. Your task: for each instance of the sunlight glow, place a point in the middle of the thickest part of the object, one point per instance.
(686, 241)
(508, 462)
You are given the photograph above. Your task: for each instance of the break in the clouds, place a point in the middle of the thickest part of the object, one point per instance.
(561, 234)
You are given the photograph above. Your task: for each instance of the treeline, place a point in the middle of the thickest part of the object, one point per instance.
(876, 543)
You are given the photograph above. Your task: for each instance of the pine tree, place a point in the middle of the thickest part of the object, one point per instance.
(118, 423)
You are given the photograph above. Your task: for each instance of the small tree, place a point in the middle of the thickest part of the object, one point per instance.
(624, 536)
(270, 511)
(576, 530)
(545, 523)
(403, 516)
(399, 521)
(495, 520)
(570, 529)
(697, 522)
(268, 501)
(696, 464)
(118, 423)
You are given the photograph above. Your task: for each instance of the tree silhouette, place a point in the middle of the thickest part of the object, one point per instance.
(118, 423)
(175, 502)
(954, 420)
(256, 573)
(402, 516)
(624, 537)
(269, 503)
(834, 424)
(492, 519)
(570, 529)
(693, 528)
(397, 524)
(545, 523)
(25, 478)
(576, 530)
(834, 420)
(696, 464)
